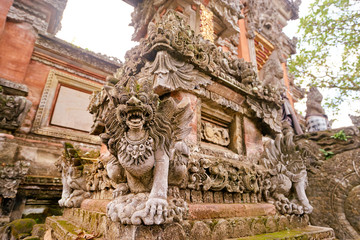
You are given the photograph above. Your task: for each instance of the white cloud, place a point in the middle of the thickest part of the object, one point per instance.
(100, 26)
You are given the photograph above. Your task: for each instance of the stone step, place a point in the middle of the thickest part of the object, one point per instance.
(208, 229)
(61, 229)
(307, 233)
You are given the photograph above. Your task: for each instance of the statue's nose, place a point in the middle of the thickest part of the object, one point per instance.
(133, 101)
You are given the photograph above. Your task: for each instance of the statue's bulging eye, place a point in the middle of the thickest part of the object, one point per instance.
(143, 98)
(123, 99)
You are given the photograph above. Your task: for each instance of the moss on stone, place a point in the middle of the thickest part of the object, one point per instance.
(32, 238)
(21, 227)
(67, 226)
(292, 234)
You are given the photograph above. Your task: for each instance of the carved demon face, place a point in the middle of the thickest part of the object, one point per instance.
(136, 109)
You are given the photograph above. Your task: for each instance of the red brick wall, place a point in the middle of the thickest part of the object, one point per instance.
(16, 47)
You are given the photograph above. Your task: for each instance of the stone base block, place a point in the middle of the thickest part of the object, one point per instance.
(309, 232)
(77, 221)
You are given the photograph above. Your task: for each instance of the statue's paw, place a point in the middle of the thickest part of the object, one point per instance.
(112, 212)
(69, 203)
(156, 211)
(61, 202)
(121, 190)
(308, 209)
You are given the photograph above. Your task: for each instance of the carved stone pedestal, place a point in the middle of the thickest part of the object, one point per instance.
(206, 221)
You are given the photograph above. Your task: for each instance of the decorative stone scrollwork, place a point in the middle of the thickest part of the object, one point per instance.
(215, 134)
(355, 120)
(220, 174)
(171, 74)
(268, 112)
(228, 10)
(13, 110)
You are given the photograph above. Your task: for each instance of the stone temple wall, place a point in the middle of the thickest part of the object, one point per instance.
(334, 179)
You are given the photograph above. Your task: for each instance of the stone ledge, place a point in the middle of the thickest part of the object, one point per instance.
(202, 211)
(13, 88)
(210, 211)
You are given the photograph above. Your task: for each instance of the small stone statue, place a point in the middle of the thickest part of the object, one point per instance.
(288, 175)
(316, 119)
(355, 120)
(71, 167)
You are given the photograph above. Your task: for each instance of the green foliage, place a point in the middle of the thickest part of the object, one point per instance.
(329, 51)
(341, 136)
(326, 154)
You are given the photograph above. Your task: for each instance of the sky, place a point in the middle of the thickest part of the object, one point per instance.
(103, 26)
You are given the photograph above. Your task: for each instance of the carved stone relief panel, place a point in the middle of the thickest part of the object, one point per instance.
(61, 113)
(220, 128)
(215, 134)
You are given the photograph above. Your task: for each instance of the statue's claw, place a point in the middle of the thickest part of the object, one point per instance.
(156, 211)
(121, 190)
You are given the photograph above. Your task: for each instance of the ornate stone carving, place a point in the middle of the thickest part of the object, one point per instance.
(267, 18)
(215, 134)
(220, 174)
(44, 16)
(271, 75)
(10, 177)
(97, 179)
(316, 120)
(146, 136)
(13, 110)
(25, 14)
(172, 33)
(229, 11)
(12, 88)
(269, 113)
(170, 74)
(73, 175)
(287, 174)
